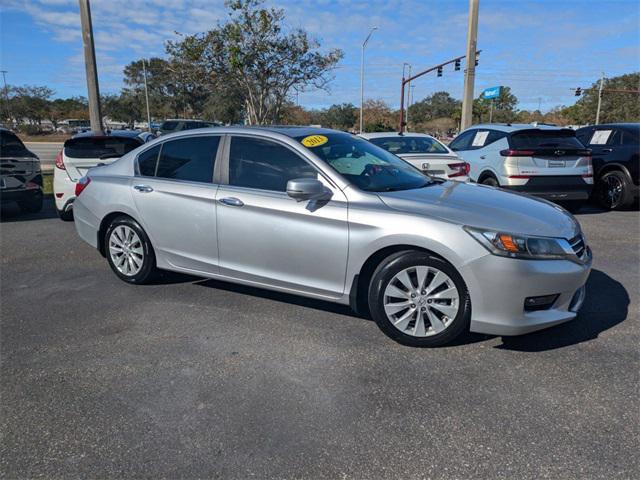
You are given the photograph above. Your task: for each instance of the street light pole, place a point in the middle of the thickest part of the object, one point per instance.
(470, 71)
(146, 94)
(90, 66)
(364, 44)
(599, 98)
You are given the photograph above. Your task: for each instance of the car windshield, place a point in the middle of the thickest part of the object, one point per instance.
(364, 164)
(532, 139)
(399, 145)
(96, 147)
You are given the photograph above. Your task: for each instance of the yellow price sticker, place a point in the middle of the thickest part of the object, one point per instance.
(314, 140)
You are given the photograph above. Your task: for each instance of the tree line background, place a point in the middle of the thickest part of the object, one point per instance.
(249, 70)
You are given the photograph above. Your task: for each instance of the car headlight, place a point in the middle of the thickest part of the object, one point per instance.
(521, 246)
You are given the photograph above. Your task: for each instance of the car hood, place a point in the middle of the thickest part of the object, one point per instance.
(485, 207)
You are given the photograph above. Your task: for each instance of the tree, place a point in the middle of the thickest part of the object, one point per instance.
(340, 117)
(29, 102)
(252, 54)
(503, 107)
(125, 108)
(615, 107)
(62, 108)
(438, 105)
(378, 116)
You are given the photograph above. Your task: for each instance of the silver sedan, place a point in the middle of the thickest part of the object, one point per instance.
(328, 215)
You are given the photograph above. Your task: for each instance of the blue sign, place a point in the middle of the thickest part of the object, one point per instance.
(493, 92)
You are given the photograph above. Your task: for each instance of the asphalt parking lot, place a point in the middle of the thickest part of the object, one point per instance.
(192, 378)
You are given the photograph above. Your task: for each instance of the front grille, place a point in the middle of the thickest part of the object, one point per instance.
(578, 246)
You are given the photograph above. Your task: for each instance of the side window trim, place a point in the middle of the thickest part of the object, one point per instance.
(225, 171)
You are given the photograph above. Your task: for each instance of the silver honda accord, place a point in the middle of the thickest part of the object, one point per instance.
(328, 215)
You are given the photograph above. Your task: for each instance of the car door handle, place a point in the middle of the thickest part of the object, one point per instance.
(482, 157)
(232, 201)
(607, 150)
(143, 188)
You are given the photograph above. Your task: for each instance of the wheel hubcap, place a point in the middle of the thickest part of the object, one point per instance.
(612, 191)
(421, 301)
(125, 249)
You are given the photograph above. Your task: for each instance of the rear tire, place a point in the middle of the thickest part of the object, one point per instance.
(432, 311)
(613, 191)
(32, 205)
(490, 180)
(65, 216)
(129, 251)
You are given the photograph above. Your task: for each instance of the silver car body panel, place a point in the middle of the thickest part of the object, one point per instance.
(317, 249)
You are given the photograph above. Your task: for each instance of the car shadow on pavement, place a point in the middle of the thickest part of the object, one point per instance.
(605, 306)
(281, 297)
(11, 213)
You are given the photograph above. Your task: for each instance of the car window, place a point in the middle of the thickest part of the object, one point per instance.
(148, 160)
(364, 164)
(535, 139)
(265, 165)
(399, 145)
(171, 125)
(615, 138)
(494, 136)
(584, 135)
(630, 138)
(10, 144)
(462, 141)
(189, 159)
(98, 146)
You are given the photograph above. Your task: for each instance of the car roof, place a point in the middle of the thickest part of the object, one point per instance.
(392, 134)
(514, 127)
(635, 126)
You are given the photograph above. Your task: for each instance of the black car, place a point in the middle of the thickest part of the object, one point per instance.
(616, 162)
(20, 174)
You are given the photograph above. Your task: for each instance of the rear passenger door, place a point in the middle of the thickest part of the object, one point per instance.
(267, 237)
(175, 193)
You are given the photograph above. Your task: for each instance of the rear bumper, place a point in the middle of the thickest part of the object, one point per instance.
(8, 196)
(555, 188)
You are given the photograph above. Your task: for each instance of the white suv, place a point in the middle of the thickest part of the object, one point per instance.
(542, 160)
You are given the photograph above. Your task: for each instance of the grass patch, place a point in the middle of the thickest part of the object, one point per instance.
(47, 183)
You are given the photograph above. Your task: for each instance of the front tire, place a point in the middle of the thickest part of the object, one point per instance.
(614, 190)
(419, 300)
(129, 251)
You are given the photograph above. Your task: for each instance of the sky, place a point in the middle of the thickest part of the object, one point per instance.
(541, 49)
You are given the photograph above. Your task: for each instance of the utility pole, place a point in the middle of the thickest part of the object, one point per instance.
(364, 44)
(599, 98)
(405, 64)
(470, 71)
(90, 65)
(6, 94)
(146, 95)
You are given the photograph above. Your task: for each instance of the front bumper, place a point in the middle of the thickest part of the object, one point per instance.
(554, 188)
(498, 287)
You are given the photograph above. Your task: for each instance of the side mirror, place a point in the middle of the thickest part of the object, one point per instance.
(305, 189)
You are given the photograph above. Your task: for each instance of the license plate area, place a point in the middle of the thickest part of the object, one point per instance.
(556, 164)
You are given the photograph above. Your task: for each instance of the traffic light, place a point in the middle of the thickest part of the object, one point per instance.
(439, 71)
(457, 65)
(578, 92)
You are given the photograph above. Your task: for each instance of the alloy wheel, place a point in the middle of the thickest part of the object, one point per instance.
(612, 191)
(421, 301)
(126, 251)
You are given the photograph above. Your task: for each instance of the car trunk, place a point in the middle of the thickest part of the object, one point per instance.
(82, 153)
(432, 163)
(548, 152)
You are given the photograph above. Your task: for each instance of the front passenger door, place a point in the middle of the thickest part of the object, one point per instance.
(268, 238)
